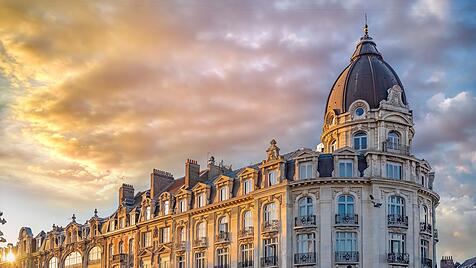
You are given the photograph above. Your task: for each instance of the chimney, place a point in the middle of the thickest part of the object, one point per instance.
(159, 180)
(192, 171)
(447, 262)
(126, 195)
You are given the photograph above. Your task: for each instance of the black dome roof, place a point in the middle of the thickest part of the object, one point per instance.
(367, 77)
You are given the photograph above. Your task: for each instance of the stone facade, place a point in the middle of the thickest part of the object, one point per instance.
(363, 201)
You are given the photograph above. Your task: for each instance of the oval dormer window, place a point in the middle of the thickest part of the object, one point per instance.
(359, 111)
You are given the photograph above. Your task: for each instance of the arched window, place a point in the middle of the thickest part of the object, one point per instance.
(94, 254)
(53, 263)
(396, 205)
(393, 140)
(247, 220)
(272, 178)
(306, 207)
(345, 205)
(131, 246)
(121, 247)
(424, 214)
(332, 146)
(166, 207)
(223, 225)
(360, 141)
(74, 258)
(201, 230)
(270, 213)
(181, 234)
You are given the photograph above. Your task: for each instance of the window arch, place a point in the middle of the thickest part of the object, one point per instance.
(247, 220)
(181, 236)
(94, 254)
(360, 141)
(270, 212)
(53, 263)
(201, 230)
(345, 205)
(74, 258)
(424, 214)
(396, 205)
(131, 246)
(306, 208)
(223, 225)
(393, 139)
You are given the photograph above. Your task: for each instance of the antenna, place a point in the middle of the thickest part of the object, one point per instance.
(366, 27)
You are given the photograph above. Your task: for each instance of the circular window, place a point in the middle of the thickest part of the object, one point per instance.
(359, 111)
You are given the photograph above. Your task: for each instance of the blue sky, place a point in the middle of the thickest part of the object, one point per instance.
(94, 94)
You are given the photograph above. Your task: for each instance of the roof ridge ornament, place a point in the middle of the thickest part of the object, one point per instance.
(366, 27)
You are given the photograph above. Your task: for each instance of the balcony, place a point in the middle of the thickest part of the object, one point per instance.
(435, 235)
(270, 226)
(179, 246)
(119, 258)
(347, 219)
(425, 228)
(200, 242)
(247, 232)
(426, 263)
(347, 256)
(270, 261)
(395, 148)
(398, 258)
(397, 220)
(305, 221)
(305, 258)
(222, 237)
(245, 264)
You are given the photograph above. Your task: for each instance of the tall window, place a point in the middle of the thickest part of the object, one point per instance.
(423, 180)
(393, 140)
(306, 207)
(346, 168)
(360, 141)
(396, 205)
(201, 200)
(272, 178)
(147, 213)
(397, 243)
(305, 170)
(121, 247)
(200, 260)
(132, 219)
(424, 214)
(164, 235)
(270, 212)
(346, 242)
(345, 205)
(74, 258)
(247, 220)
(181, 235)
(247, 186)
(223, 225)
(146, 239)
(201, 230)
(222, 257)
(424, 249)
(164, 262)
(166, 207)
(131, 246)
(111, 250)
(223, 193)
(332, 146)
(246, 256)
(270, 247)
(394, 170)
(306, 243)
(181, 261)
(53, 263)
(183, 205)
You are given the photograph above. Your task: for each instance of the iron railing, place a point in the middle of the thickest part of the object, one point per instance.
(245, 264)
(200, 242)
(247, 232)
(346, 256)
(400, 258)
(304, 221)
(121, 257)
(397, 148)
(426, 263)
(347, 219)
(397, 220)
(269, 261)
(222, 237)
(425, 228)
(305, 258)
(271, 226)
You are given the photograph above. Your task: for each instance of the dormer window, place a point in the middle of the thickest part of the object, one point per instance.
(346, 168)
(247, 186)
(272, 178)
(182, 205)
(113, 225)
(132, 218)
(360, 141)
(201, 200)
(147, 213)
(224, 193)
(305, 170)
(166, 207)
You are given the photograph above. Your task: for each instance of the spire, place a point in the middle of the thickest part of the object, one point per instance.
(95, 212)
(366, 29)
(73, 218)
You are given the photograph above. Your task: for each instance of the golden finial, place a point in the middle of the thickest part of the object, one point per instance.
(366, 27)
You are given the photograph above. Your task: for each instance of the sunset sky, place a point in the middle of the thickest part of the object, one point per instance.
(97, 93)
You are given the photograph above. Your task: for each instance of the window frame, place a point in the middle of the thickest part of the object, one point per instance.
(344, 166)
(359, 139)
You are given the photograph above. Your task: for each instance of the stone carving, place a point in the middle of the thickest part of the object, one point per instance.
(394, 97)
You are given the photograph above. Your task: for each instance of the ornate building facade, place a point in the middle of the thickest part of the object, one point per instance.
(364, 200)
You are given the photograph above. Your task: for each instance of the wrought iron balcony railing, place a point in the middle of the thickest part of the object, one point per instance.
(425, 228)
(305, 258)
(269, 261)
(222, 237)
(200, 242)
(121, 257)
(247, 232)
(179, 246)
(397, 220)
(399, 258)
(245, 264)
(346, 256)
(347, 219)
(396, 148)
(271, 226)
(305, 221)
(426, 263)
